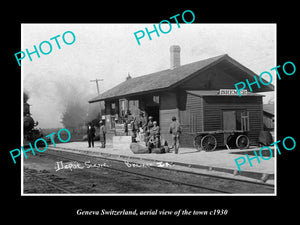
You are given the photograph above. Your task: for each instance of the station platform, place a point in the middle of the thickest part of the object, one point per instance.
(219, 162)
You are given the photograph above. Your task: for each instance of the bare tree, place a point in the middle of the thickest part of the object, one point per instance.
(74, 116)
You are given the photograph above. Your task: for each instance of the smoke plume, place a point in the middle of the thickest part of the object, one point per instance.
(25, 96)
(60, 99)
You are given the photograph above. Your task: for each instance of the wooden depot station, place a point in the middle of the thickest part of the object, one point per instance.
(199, 94)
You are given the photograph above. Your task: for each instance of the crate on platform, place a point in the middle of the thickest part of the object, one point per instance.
(121, 142)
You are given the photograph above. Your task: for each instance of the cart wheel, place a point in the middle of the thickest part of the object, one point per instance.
(208, 143)
(197, 142)
(242, 141)
(231, 141)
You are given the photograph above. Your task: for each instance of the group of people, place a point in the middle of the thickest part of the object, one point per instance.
(147, 130)
(91, 132)
(142, 130)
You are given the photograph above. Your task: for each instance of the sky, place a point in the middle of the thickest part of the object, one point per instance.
(110, 52)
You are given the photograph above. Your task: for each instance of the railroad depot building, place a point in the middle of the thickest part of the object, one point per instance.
(199, 94)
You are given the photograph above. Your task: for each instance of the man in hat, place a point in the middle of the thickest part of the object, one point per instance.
(148, 128)
(175, 131)
(90, 134)
(140, 126)
(102, 134)
(142, 121)
(155, 134)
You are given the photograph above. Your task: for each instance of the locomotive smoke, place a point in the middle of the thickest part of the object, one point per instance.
(74, 98)
(25, 96)
(60, 100)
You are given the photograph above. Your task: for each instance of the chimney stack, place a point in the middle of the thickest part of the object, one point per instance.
(128, 76)
(175, 56)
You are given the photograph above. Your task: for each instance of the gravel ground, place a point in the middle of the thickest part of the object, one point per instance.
(92, 180)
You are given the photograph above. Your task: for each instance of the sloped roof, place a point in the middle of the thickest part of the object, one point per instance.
(216, 93)
(164, 79)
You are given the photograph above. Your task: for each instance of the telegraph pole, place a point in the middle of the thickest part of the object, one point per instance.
(96, 80)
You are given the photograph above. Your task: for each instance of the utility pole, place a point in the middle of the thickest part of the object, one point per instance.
(96, 80)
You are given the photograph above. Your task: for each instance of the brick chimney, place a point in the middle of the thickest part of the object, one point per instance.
(175, 56)
(128, 76)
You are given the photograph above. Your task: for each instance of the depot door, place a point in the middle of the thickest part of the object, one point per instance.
(154, 112)
(229, 120)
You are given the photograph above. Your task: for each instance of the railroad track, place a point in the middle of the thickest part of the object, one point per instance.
(228, 185)
(49, 183)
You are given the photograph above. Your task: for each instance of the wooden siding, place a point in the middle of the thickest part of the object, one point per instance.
(211, 79)
(168, 108)
(214, 105)
(191, 119)
(165, 120)
(168, 100)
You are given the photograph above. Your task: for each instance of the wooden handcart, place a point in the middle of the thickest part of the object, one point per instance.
(210, 140)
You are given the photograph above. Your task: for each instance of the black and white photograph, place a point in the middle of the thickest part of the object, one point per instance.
(149, 113)
(139, 109)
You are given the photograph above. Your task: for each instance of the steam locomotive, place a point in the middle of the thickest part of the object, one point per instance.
(30, 132)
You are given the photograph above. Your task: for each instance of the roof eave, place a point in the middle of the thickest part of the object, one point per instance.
(262, 88)
(178, 83)
(128, 95)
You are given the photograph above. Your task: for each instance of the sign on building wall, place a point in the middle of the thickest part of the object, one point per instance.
(231, 92)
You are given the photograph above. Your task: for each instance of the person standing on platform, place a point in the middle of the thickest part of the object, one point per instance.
(150, 123)
(148, 128)
(90, 134)
(175, 131)
(135, 129)
(142, 121)
(102, 134)
(155, 134)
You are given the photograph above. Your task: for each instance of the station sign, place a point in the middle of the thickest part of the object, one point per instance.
(232, 92)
